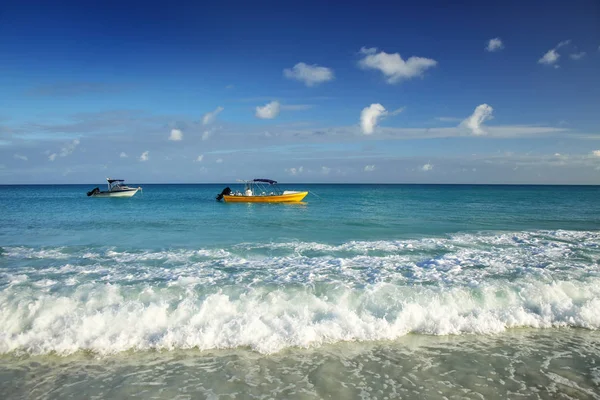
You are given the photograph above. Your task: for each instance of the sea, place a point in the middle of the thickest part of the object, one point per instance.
(359, 292)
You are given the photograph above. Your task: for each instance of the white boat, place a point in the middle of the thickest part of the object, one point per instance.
(116, 188)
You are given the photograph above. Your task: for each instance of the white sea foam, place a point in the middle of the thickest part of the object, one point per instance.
(272, 296)
(107, 318)
(27, 253)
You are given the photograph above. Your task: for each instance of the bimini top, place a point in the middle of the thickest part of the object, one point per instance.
(114, 180)
(269, 181)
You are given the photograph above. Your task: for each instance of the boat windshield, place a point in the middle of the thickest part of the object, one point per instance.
(115, 183)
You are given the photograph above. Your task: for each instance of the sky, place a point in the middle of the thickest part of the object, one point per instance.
(500, 92)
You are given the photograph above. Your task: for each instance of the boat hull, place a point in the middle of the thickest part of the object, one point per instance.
(120, 193)
(283, 198)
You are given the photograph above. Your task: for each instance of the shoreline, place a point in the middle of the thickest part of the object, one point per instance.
(515, 362)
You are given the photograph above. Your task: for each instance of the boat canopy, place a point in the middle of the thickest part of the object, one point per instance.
(114, 180)
(269, 181)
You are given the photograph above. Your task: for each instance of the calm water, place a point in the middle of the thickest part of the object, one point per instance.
(363, 291)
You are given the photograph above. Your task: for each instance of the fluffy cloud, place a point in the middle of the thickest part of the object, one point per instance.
(123, 155)
(20, 157)
(494, 45)
(210, 117)
(578, 56)
(52, 157)
(311, 75)
(596, 153)
(268, 111)
(176, 135)
(145, 156)
(200, 158)
(550, 57)
(369, 168)
(370, 116)
(474, 123)
(393, 67)
(426, 167)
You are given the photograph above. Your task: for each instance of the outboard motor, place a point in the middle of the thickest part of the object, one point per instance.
(93, 191)
(225, 192)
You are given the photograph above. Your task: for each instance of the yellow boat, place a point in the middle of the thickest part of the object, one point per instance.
(261, 191)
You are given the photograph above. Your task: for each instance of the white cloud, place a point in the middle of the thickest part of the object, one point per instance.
(145, 156)
(426, 167)
(210, 117)
(495, 45)
(578, 56)
(368, 50)
(369, 168)
(206, 134)
(21, 157)
(268, 111)
(596, 153)
(294, 171)
(176, 135)
(219, 160)
(550, 57)
(68, 149)
(397, 111)
(200, 158)
(474, 123)
(369, 117)
(393, 66)
(563, 43)
(123, 155)
(311, 75)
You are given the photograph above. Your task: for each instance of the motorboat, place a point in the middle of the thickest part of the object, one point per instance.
(116, 188)
(260, 191)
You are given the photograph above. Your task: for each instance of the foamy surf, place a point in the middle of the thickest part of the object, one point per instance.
(273, 296)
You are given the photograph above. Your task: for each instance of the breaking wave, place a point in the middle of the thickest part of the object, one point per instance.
(271, 296)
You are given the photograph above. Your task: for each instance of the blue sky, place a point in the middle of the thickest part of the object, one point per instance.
(393, 92)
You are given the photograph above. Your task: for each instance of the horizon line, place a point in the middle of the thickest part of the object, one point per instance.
(316, 183)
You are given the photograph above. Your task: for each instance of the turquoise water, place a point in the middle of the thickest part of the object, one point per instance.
(172, 216)
(359, 280)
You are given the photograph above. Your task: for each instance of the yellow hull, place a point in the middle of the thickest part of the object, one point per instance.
(283, 198)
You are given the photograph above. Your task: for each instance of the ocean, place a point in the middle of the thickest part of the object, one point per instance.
(360, 292)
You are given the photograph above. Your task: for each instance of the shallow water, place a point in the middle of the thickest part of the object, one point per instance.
(557, 363)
